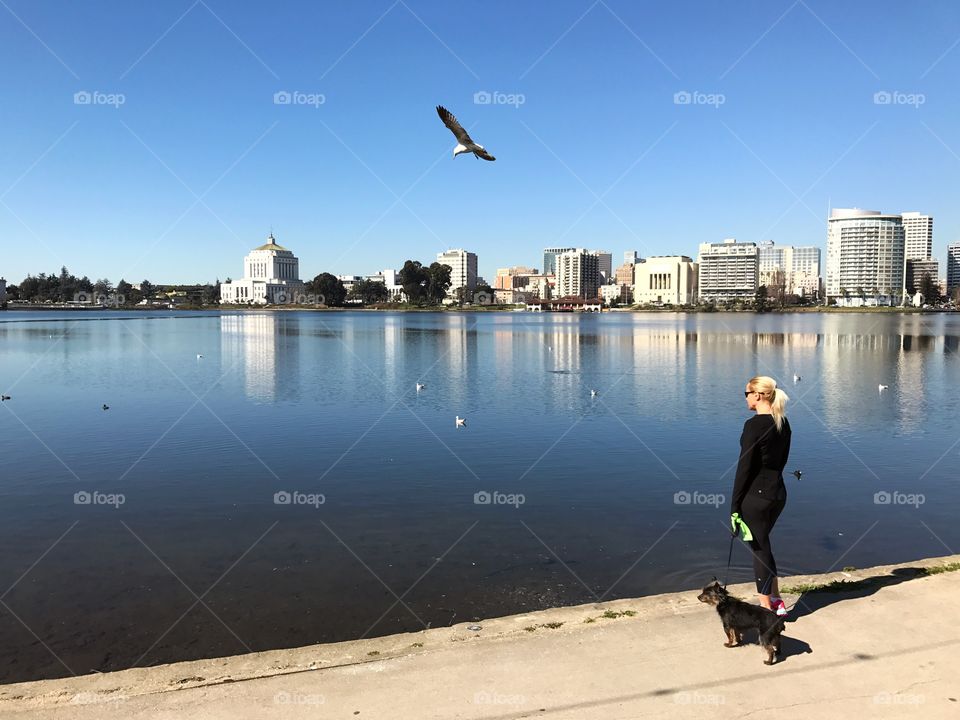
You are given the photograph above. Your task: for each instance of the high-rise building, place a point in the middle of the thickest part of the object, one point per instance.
(953, 268)
(630, 257)
(728, 271)
(578, 274)
(865, 255)
(550, 259)
(917, 236)
(3, 292)
(667, 280)
(794, 268)
(917, 268)
(463, 269)
(605, 263)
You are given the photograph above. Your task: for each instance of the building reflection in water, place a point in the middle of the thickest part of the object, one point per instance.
(266, 345)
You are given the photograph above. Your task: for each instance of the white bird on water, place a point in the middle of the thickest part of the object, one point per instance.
(593, 393)
(461, 422)
(465, 143)
(420, 386)
(796, 378)
(199, 356)
(881, 388)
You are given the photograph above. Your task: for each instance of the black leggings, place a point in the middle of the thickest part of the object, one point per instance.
(761, 515)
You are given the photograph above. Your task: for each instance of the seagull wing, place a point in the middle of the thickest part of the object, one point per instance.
(481, 153)
(455, 127)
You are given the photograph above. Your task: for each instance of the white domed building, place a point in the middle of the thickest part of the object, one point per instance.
(271, 274)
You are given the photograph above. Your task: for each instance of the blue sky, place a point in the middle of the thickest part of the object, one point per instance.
(197, 164)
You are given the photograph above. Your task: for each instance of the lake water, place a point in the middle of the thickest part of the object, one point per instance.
(183, 550)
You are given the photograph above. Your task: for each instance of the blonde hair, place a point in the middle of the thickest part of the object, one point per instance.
(767, 387)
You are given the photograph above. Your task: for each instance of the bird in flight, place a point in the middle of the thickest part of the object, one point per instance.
(465, 143)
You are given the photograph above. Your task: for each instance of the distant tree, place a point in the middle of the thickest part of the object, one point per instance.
(103, 287)
(210, 294)
(462, 295)
(330, 287)
(369, 292)
(124, 292)
(147, 289)
(760, 299)
(415, 279)
(439, 281)
(13, 292)
(929, 289)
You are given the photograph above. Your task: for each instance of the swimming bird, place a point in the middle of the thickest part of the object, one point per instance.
(593, 393)
(420, 386)
(465, 143)
(106, 407)
(199, 356)
(881, 388)
(797, 474)
(461, 422)
(796, 378)
(4, 398)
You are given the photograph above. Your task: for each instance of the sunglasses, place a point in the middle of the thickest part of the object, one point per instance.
(748, 393)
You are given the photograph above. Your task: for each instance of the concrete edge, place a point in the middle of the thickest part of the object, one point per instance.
(110, 687)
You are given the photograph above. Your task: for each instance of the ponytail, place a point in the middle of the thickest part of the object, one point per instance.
(778, 407)
(777, 398)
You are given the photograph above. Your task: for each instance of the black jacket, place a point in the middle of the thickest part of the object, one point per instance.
(763, 455)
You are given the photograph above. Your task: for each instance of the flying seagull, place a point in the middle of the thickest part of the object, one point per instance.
(464, 142)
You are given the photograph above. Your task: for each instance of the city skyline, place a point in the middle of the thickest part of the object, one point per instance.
(206, 125)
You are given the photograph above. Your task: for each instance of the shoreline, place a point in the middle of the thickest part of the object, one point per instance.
(815, 309)
(574, 625)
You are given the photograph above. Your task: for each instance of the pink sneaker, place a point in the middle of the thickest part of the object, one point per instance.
(778, 606)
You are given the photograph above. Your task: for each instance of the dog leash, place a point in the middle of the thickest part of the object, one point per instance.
(726, 573)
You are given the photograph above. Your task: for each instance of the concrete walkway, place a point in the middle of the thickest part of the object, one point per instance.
(886, 647)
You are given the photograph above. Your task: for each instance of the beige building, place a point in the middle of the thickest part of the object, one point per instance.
(578, 274)
(670, 280)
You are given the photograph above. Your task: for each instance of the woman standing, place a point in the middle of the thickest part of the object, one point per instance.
(759, 494)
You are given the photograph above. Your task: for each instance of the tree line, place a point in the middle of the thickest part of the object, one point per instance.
(65, 287)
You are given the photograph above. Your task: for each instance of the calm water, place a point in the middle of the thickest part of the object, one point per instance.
(200, 561)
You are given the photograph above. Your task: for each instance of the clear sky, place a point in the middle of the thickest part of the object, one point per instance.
(196, 164)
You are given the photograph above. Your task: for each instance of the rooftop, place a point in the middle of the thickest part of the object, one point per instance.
(271, 244)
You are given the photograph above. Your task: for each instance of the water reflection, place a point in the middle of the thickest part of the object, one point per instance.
(266, 346)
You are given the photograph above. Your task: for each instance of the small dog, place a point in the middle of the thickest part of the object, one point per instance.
(739, 616)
